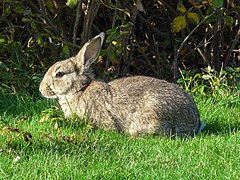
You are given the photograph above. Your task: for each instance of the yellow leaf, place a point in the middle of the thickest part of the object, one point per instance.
(179, 23)
(16, 159)
(208, 2)
(42, 120)
(195, 2)
(4, 130)
(181, 8)
(114, 43)
(139, 5)
(56, 125)
(200, 6)
(193, 17)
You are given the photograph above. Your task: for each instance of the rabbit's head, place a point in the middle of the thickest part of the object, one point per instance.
(74, 74)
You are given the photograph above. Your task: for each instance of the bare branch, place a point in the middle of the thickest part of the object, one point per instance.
(76, 24)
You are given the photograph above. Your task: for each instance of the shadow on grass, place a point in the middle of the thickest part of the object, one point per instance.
(23, 104)
(84, 139)
(220, 128)
(63, 143)
(85, 136)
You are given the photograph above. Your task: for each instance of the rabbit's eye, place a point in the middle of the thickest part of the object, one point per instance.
(59, 74)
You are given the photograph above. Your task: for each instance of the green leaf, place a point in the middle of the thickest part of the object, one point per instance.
(2, 65)
(2, 39)
(237, 69)
(39, 40)
(181, 80)
(127, 25)
(230, 69)
(124, 32)
(218, 3)
(66, 50)
(179, 23)
(228, 20)
(113, 34)
(19, 9)
(7, 10)
(237, 75)
(72, 3)
(201, 89)
(26, 20)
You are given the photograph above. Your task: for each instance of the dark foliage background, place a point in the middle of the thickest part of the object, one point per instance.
(156, 38)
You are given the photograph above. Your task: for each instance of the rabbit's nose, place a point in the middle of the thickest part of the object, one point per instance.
(42, 88)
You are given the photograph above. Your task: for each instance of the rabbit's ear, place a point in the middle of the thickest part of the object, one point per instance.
(89, 52)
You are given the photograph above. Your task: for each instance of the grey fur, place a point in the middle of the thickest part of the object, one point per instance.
(136, 105)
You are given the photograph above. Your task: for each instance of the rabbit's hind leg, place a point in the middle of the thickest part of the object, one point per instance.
(144, 123)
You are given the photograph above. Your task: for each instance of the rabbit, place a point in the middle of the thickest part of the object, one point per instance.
(136, 105)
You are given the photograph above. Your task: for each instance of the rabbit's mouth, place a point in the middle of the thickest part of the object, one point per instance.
(47, 92)
(50, 97)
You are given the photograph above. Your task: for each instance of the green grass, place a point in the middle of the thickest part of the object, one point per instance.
(61, 149)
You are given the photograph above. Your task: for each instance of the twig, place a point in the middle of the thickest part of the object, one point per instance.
(161, 2)
(171, 40)
(126, 38)
(199, 24)
(88, 20)
(236, 39)
(145, 57)
(152, 67)
(158, 58)
(42, 6)
(217, 42)
(3, 172)
(78, 15)
(106, 75)
(148, 24)
(174, 65)
(198, 49)
(49, 22)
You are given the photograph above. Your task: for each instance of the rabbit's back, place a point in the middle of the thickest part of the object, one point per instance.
(136, 105)
(144, 105)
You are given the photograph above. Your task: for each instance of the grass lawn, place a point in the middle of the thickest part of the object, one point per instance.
(38, 146)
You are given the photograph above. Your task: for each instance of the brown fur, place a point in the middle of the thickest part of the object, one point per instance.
(135, 105)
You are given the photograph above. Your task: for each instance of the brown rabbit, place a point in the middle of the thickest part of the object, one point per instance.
(136, 105)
